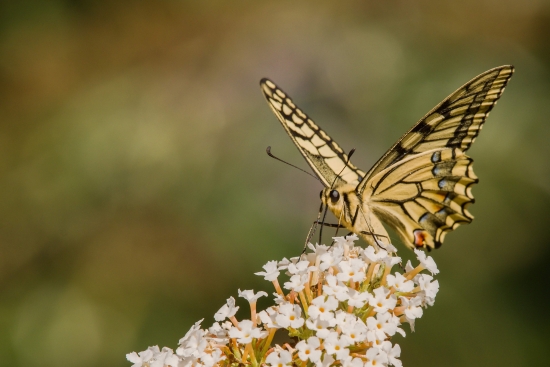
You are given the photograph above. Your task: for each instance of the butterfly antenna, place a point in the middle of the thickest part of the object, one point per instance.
(345, 166)
(268, 150)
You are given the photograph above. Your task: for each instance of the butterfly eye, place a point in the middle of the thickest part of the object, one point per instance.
(334, 196)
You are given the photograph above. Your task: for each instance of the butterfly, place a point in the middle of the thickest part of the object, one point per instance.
(421, 186)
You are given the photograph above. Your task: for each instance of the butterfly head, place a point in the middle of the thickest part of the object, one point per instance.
(339, 197)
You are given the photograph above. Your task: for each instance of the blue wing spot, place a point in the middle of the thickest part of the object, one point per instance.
(442, 183)
(436, 157)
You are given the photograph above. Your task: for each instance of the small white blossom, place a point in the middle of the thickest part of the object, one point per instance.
(211, 359)
(320, 326)
(412, 309)
(326, 361)
(430, 288)
(297, 282)
(307, 350)
(380, 300)
(381, 327)
(392, 353)
(331, 258)
(140, 359)
(352, 269)
(376, 357)
(335, 288)
(227, 310)
(268, 318)
(345, 241)
(250, 296)
(279, 358)
(401, 283)
(246, 333)
(301, 267)
(426, 261)
(357, 299)
(322, 308)
(355, 332)
(290, 316)
(271, 272)
(338, 346)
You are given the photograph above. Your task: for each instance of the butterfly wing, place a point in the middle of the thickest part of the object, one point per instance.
(325, 157)
(454, 123)
(422, 185)
(424, 196)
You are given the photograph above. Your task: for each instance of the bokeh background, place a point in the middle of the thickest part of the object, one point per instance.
(136, 195)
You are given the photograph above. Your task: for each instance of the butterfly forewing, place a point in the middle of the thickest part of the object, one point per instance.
(325, 157)
(454, 123)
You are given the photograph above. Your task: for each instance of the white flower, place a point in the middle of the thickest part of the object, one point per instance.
(335, 288)
(297, 282)
(250, 296)
(345, 241)
(337, 346)
(400, 282)
(227, 310)
(357, 299)
(302, 267)
(279, 358)
(165, 358)
(247, 332)
(218, 334)
(370, 255)
(326, 362)
(381, 327)
(392, 353)
(268, 318)
(140, 359)
(379, 301)
(427, 262)
(211, 359)
(352, 269)
(323, 309)
(308, 349)
(290, 316)
(320, 326)
(376, 358)
(352, 362)
(331, 258)
(355, 332)
(271, 272)
(193, 343)
(388, 259)
(430, 288)
(412, 308)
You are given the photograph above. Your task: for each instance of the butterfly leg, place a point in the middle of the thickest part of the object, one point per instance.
(333, 225)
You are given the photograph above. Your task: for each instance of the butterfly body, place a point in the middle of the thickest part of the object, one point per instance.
(421, 186)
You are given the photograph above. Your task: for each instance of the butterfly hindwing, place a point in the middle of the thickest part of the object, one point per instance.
(325, 157)
(424, 196)
(454, 123)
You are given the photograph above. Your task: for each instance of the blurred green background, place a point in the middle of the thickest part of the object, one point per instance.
(136, 195)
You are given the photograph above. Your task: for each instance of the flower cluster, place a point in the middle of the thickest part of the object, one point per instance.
(342, 306)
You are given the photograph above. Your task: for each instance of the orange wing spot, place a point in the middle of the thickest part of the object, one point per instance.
(419, 237)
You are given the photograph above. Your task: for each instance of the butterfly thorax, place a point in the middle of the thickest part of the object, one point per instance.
(354, 214)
